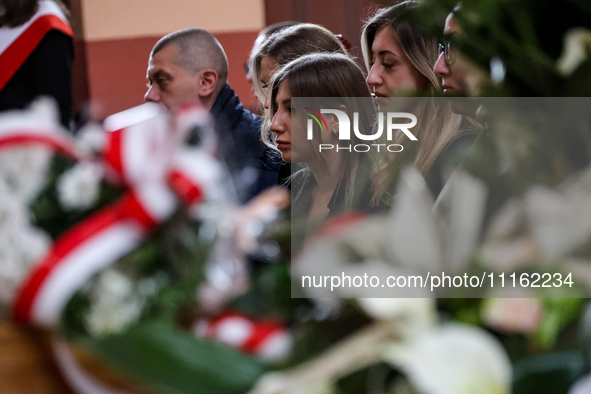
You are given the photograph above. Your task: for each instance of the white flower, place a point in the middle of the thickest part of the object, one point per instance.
(111, 318)
(559, 220)
(21, 244)
(454, 359)
(12, 210)
(24, 170)
(279, 383)
(419, 313)
(45, 109)
(117, 302)
(277, 347)
(582, 386)
(79, 187)
(414, 238)
(576, 49)
(546, 224)
(509, 256)
(20, 250)
(113, 305)
(91, 138)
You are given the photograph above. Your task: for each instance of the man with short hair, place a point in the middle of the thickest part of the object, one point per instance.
(190, 66)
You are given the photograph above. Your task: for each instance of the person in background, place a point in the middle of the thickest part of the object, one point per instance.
(190, 66)
(36, 51)
(260, 40)
(459, 77)
(286, 45)
(327, 185)
(280, 48)
(399, 57)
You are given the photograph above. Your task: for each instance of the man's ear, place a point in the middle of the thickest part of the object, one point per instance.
(208, 80)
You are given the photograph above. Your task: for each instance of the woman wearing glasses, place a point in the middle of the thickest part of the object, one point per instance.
(399, 57)
(459, 76)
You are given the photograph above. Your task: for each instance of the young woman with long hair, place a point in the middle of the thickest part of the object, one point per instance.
(329, 182)
(399, 56)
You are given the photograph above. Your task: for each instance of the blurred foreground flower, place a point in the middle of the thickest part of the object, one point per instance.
(413, 238)
(582, 386)
(78, 188)
(513, 314)
(576, 49)
(454, 359)
(24, 169)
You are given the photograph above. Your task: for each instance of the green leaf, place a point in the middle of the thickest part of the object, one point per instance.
(171, 361)
(558, 312)
(552, 373)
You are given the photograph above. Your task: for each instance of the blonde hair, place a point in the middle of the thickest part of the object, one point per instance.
(437, 125)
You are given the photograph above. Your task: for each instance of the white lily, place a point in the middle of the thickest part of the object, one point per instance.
(413, 238)
(581, 386)
(547, 223)
(560, 219)
(454, 359)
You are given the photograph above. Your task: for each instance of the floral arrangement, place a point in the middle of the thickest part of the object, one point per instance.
(117, 233)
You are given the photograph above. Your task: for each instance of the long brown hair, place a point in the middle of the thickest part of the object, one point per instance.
(329, 80)
(437, 125)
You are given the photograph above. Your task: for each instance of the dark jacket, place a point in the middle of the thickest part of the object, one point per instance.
(448, 159)
(252, 165)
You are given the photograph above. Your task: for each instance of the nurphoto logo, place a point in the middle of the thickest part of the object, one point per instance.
(390, 121)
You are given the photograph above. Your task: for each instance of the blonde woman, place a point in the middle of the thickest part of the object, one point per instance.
(399, 57)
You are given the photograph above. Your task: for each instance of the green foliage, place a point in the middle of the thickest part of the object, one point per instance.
(174, 362)
(269, 294)
(551, 373)
(176, 254)
(558, 313)
(464, 310)
(47, 211)
(526, 35)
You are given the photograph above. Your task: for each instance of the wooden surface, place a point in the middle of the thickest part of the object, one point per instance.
(26, 362)
(27, 365)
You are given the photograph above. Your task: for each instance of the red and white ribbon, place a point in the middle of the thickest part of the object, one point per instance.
(37, 128)
(139, 156)
(16, 44)
(267, 339)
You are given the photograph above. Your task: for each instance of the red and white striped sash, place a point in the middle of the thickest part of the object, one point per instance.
(16, 44)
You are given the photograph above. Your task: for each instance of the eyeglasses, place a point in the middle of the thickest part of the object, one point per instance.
(448, 54)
